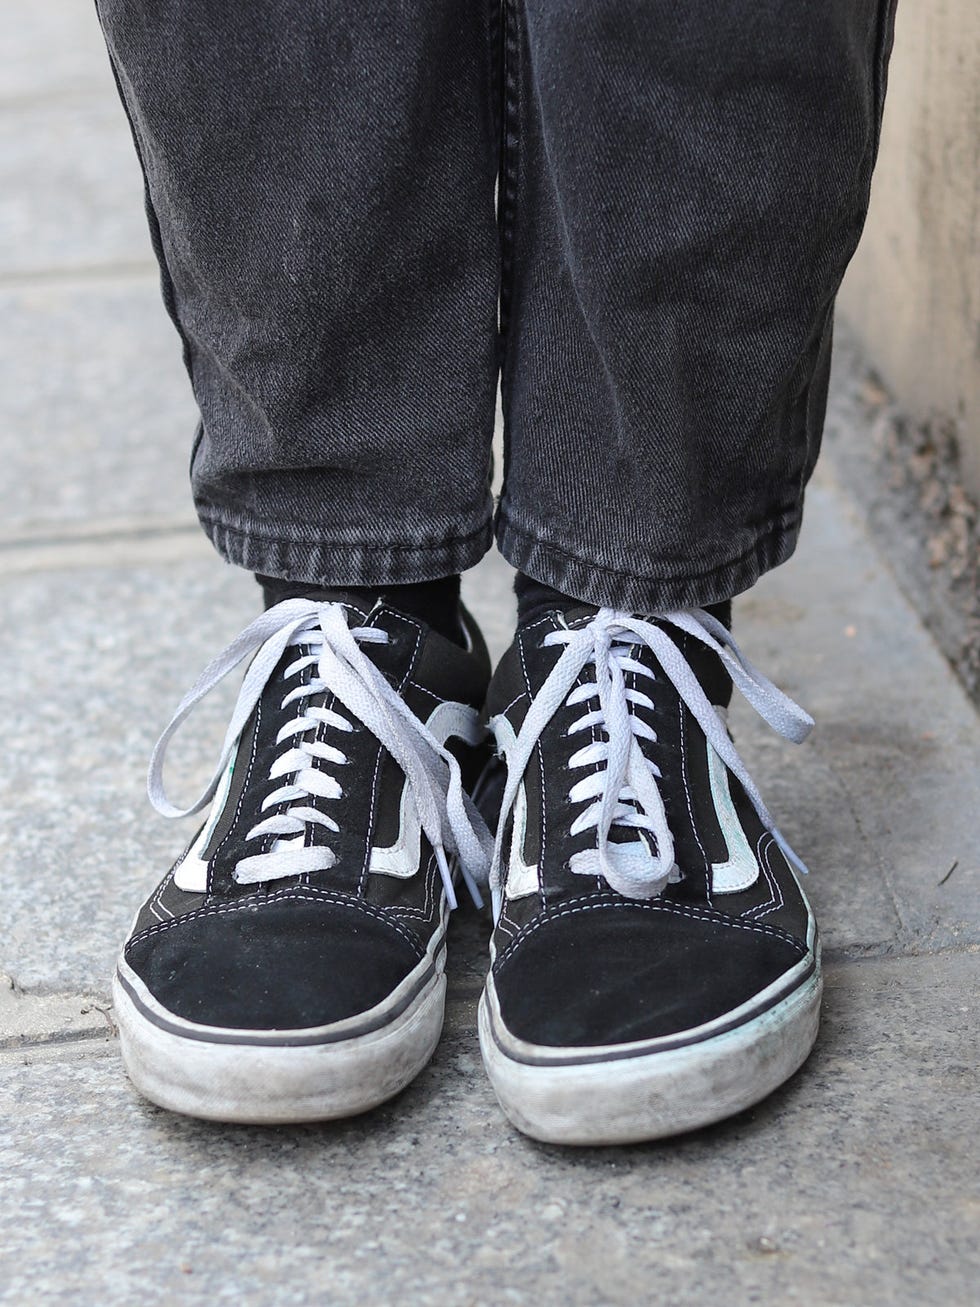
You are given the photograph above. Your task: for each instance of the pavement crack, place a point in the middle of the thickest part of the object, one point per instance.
(87, 274)
(845, 792)
(38, 1020)
(98, 534)
(21, 1043)
(949, 873)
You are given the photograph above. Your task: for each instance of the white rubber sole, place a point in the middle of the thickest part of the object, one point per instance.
(629, 1097)
(274, 1078)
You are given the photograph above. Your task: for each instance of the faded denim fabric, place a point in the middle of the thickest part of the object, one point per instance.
(680, 189)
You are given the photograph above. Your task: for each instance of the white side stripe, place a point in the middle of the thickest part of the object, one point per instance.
(522, 877)
(401, 859)
(737, 872)
(192, 874)
(741, 868)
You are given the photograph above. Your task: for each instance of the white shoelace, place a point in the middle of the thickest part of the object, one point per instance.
(625, 792)
(332, 651)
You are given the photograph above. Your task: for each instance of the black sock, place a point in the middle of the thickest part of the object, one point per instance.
(534, 599)
(434, 602)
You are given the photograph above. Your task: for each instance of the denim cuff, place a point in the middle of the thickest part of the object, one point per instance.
(597, 583)
(340, 563)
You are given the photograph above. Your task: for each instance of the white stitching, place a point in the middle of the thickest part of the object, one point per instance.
(504, 711)
(155, 900)
(213, 860)
(762, 856)
(596, 766)
(541, 621)
(505, 924)
(543, 811)
(690, 803)
(365, 866)
(425, 912)
(425, 690)
(313, 895)
(319, 736)
(678, 909)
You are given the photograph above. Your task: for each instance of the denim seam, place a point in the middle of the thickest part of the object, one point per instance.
(352, 563)
(884, 40)
(786, 523)
(168, 289)
(493, 14)
(510, 117)
(290, 542)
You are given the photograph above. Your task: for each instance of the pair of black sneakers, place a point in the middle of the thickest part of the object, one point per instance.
(654, 963)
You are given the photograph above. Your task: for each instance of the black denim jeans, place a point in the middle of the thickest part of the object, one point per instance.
(681, 186)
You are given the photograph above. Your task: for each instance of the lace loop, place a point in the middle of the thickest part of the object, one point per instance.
(625, 792)
(450, 821)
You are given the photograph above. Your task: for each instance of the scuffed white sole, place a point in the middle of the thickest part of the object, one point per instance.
(274, 1078)
(650, 1095)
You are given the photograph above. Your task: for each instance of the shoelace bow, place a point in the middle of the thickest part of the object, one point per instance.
(449, 819)
(625, 791)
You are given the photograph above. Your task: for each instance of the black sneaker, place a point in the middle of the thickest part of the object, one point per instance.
(291, 965)
(654, 963)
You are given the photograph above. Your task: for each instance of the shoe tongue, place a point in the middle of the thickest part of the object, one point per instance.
(359, 604)
(357, 601)
(572, 612)
(705, 664)
(576, 613)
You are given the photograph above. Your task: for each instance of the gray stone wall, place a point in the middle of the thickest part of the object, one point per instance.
(913, 292)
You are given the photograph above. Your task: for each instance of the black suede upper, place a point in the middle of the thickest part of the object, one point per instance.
(316, 948)
(578, 964)
(607, 970)
(282, 960)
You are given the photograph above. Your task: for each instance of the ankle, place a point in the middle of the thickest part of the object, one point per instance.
(436, 603)
(534, 599)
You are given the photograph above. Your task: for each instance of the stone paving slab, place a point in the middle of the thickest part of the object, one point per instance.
(97, 416)
(51, 49)
(94, 664)
(39, 1019)
(856, 1183)
(895, 731)
(70, 189)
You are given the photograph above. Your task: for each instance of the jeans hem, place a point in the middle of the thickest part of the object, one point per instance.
(599, 583)
(339, 563)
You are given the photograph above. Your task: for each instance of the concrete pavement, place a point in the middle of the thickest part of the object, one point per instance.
(855, 1184)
